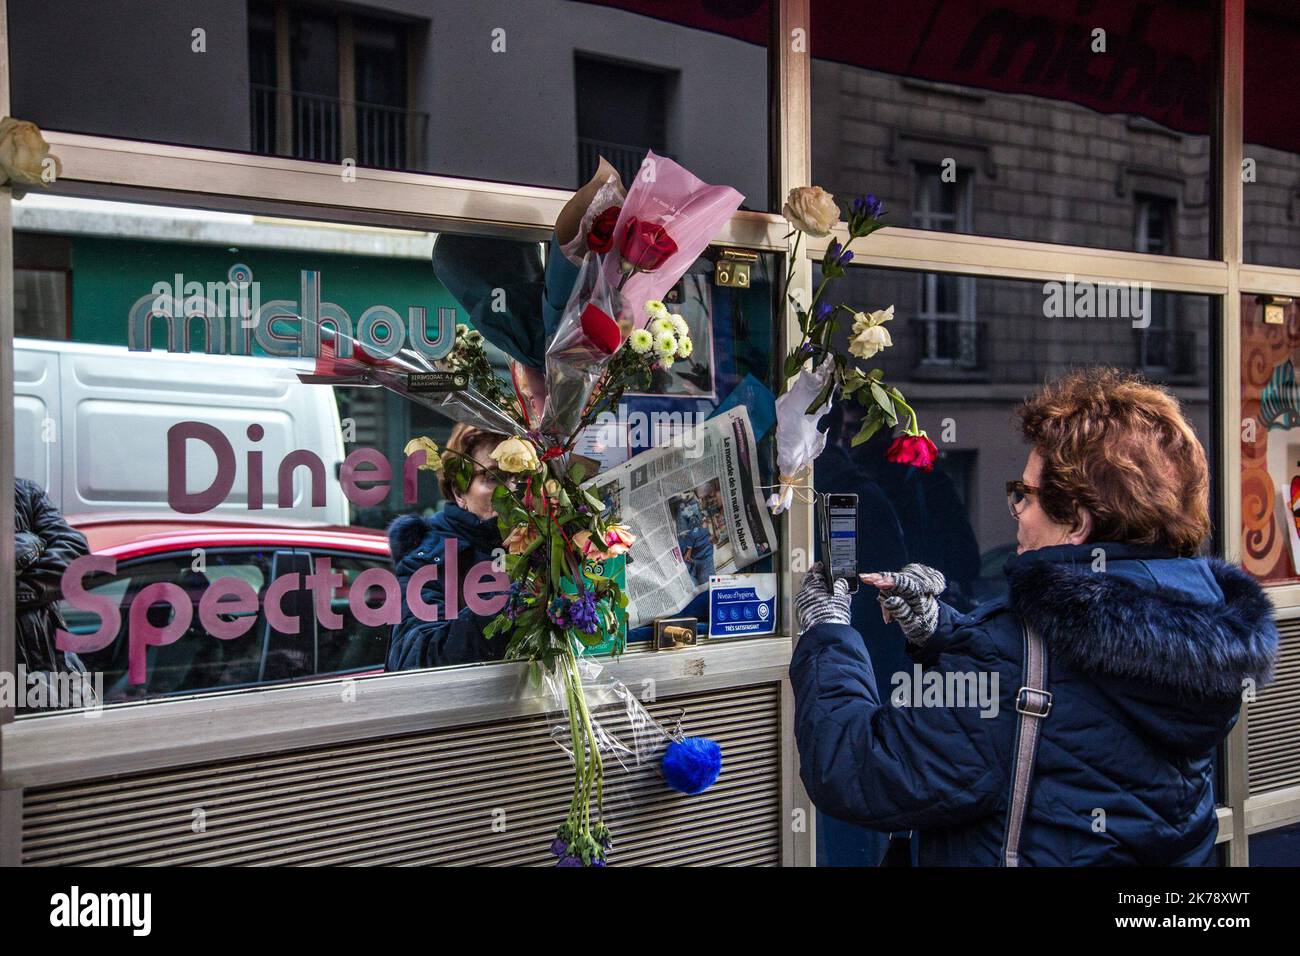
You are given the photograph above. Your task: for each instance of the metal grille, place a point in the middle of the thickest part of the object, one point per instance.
(1273, 728)
(425, 798)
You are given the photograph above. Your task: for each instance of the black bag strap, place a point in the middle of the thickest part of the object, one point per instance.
(1033, 704)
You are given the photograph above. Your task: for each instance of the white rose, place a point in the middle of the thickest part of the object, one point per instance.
(869, 341)
(516, 455)
(865, 320)
(23, 152)
(812, 210)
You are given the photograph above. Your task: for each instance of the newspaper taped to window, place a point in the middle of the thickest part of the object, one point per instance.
(697, 510)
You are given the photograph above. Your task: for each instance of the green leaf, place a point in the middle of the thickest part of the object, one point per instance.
(577, 472)
(886, 405)
(557, 561)
(870, 425)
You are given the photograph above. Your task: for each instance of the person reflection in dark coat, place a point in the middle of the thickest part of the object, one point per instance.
(936, 525)
(880, 544)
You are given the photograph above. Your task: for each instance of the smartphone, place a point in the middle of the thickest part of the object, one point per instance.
(839, 521)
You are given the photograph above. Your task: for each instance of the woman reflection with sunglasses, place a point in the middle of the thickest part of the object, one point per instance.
(1149, 645)
(467, 481)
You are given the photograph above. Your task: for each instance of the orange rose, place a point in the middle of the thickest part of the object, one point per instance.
(519, 538)
(582, 540)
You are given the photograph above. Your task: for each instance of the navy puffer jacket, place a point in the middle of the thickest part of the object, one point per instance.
(417, 541)
(1147, 656)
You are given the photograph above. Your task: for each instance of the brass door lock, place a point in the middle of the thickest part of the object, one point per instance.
(674, 633)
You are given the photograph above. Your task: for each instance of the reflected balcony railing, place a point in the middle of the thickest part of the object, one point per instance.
(328, 129)
(622, 156)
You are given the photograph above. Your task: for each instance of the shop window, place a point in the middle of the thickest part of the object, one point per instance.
(95, 426)
(1056, 118)
(517, 93)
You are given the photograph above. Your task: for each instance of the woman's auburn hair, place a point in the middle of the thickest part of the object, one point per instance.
(1119, 446)
(467, 441)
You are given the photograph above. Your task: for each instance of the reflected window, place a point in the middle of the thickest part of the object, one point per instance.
(346, 90)
(1158, 342)
(622, 113)
(947, 302)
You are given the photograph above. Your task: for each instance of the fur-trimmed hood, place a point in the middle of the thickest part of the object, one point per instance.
(1194, 627)
(411, 532)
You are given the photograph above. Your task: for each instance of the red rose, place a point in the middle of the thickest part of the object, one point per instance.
(601, 236)
(646, 245)
(915, 450)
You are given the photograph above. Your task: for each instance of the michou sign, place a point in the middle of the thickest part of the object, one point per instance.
(234, 319)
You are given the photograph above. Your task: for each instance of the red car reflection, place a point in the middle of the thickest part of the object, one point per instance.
(195, 554)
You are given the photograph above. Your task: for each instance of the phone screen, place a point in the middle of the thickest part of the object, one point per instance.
(842, 532)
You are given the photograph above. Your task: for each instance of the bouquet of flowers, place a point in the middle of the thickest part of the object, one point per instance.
(809, 392)
(612, 332)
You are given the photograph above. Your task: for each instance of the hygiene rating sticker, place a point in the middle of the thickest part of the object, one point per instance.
(742, 604)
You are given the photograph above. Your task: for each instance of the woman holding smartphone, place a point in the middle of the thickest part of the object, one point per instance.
(1148, 646)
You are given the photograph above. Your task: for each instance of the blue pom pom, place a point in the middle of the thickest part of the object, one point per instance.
(692, 765)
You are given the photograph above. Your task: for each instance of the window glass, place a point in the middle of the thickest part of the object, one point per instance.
(1011, 118)
(966, 351)
(1270, 438)
(1271, 150)
(192, 661)
(207, 473)
(529, 92)
(350, 646)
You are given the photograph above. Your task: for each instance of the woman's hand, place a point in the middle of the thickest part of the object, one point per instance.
(817, 604)
(910, 597)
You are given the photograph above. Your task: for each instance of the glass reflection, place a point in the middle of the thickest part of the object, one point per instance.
(259, 506)
(527, 92)
(1085, 124)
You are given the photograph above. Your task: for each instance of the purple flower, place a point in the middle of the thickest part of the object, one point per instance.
(837, 254)
(597, 861)
(868, 206)
(559, 847)
(557, 612)
(824, 310)
(569, 861)
(582, 613)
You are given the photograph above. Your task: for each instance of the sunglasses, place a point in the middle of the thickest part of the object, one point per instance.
(1017, 494)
